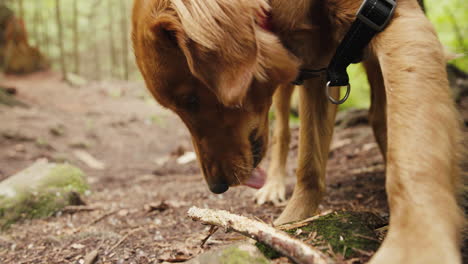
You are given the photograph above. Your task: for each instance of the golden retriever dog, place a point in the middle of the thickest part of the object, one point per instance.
(212, 63)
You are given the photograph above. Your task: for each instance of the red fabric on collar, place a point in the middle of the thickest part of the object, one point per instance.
(264, 21)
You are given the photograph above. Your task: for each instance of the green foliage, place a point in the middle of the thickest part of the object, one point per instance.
(267, 251)
(449, 18)
(360, 95)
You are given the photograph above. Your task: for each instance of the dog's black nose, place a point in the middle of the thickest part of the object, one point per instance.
(219, 188)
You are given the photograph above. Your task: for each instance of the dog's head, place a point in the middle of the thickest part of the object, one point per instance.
(210, 62)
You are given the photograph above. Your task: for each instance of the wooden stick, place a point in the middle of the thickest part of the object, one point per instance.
(296, 250)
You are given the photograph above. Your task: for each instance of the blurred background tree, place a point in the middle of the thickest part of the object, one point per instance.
(91, 38)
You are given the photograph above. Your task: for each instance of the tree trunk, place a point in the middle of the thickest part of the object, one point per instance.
(76, 40)
(58, 18)
(45, 32)
(112, 49)
(124, 29)
(5, 16)
(36, 23)
(92, 22)
(21, 9)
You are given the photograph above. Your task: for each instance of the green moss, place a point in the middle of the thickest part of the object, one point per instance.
(233, 255)
(58, 189)
(66, 178)
(346, 232)
(268, 251)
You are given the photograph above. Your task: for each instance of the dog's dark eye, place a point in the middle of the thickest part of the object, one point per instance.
(171, 36)
(191, 103)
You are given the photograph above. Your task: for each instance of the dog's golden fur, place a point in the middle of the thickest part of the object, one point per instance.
(211, 63)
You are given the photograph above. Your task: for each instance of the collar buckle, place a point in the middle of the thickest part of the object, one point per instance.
(370, 21)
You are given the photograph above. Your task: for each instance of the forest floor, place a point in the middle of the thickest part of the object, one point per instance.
(137, 207)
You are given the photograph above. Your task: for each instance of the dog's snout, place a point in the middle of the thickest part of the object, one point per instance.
(216, 180)
(219, 188)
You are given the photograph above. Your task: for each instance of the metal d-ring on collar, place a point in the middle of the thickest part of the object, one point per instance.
(333, 100)
(372, 17)
(306, 74)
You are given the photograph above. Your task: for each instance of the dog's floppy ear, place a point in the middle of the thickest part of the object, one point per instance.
(221, 47)
(166, 28)
(229, 80)
(227, 76)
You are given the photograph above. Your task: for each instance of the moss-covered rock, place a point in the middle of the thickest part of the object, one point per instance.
(40, 191)
(348, 234)
(9, 100)
(235, 254)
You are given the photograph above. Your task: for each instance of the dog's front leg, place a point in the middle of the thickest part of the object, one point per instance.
(317, 116)
(377, 111)
(423, 141)
(275, 187)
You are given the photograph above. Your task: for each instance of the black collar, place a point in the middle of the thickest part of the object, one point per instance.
(372, 17)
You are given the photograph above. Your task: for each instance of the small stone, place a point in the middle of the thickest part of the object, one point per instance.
(123, 212)
(298, 232)
(77, 246)
(40, 191)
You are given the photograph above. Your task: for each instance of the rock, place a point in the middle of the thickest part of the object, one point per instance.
(89, 160)
(234, 254)
(9, 100)
(40, 191)
(350, 234)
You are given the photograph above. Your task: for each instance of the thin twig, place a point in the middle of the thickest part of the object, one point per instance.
(100, 218)
(304, 222)
(71, 209)
(366, 237)
(213, 230)
(123, 239)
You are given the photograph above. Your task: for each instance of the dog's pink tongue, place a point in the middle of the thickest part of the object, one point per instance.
(257, 180)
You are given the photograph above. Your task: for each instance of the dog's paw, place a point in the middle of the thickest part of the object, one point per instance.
(273, 191)
(303, 204)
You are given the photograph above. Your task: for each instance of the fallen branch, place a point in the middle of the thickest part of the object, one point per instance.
(296, 250)
(72, 209)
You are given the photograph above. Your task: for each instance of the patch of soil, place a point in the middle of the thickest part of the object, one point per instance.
(136, 212)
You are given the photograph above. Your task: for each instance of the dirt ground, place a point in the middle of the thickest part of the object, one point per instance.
(136, 210)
